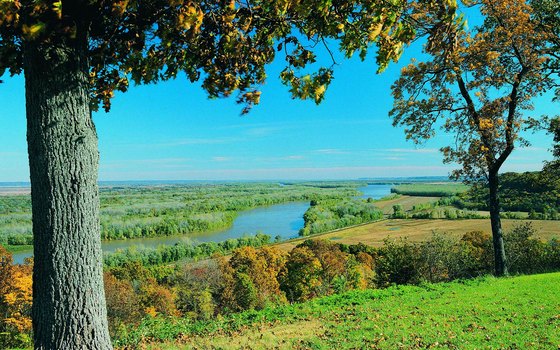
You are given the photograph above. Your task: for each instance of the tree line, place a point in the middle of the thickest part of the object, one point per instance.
(329, 215)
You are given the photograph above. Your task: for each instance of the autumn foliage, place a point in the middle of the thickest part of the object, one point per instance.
(253, 278)
(15, 301)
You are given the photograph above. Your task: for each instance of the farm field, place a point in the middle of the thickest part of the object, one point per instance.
(519, 312)
(430, 189)
(420, 229)
(407, 202)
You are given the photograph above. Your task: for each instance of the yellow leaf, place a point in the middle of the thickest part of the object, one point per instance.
(375, 30)
(57, 8)
(31, 32)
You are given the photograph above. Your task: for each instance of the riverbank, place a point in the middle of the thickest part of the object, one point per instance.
(164, 214)
(283, 220)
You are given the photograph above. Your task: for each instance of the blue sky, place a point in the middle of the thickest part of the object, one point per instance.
(172, 131)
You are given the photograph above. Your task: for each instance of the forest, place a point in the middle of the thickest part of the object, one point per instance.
(528, 195)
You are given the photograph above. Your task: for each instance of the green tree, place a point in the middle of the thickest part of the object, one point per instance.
(552, 168)
(302, 276)
(478, 85)
(75, 54)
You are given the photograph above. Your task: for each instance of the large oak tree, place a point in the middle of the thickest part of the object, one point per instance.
(76, 54)
(479, 85)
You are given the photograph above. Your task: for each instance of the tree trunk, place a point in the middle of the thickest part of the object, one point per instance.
(496, 223)
(68, 295)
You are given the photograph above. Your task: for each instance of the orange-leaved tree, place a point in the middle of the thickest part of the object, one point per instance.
(15, 301)
(479, 86)
(75, 54)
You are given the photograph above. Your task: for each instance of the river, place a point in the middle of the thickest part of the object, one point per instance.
(375, 191)
(284, 220)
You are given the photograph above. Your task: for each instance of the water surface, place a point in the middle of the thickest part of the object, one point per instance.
(284, 220)
(375, 191)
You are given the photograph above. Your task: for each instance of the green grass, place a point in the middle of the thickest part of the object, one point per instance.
(18, 248)
(515, 313)
(444, 189)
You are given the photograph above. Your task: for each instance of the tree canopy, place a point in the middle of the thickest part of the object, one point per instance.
(225, 43)
(76, 54)
(479, 85)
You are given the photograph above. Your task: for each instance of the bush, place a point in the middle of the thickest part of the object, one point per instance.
(436, 257)
(397, 263)
(474, 255)
(398, 212)
(524, 253)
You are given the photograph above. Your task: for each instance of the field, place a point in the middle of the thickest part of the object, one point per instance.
(514, 313)
(417, 230)
(444, 189)
(407, 202)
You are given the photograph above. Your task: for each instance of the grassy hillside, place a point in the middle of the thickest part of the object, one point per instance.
(520, 312)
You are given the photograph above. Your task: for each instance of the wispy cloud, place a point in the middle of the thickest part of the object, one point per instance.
(521, 167)
(13, 154)
(291, 173)
(410, 150)
(293, 157)
(202, 141)
(146, 163)
(330, 151)
(532, 149)
(278, 158)
(222, 159)
(264, 131)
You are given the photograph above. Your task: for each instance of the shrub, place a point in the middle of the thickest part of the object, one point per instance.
(473, 256)
(397, 263)
(123, 305)
(436, 257)
(398, 212)
(302, 276)
(524, 253)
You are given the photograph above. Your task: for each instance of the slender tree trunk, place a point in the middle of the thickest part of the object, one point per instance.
(68, 296)
(496, 223)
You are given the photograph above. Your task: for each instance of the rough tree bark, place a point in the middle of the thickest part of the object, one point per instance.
(68, 296)
(500, 261)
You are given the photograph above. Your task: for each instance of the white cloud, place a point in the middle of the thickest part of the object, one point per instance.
(294, 157)
(202, 141)
(145, 163)
(222, 159)
(291, 173)
(330, 151)
(410, 150)
(13, 154)
(532, 149)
